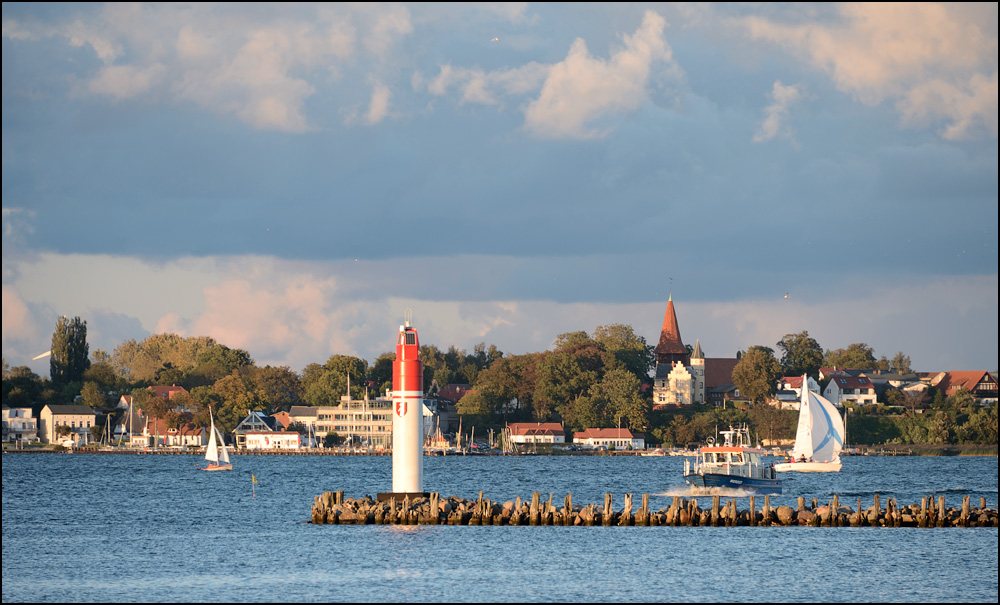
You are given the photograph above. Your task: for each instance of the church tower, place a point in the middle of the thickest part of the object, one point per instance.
(698, 373)
(671, 348)
(674, 383)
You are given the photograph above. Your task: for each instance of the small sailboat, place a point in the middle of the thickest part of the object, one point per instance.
(819, 437)
(216, 452)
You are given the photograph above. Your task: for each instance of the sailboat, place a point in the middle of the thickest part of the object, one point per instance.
(215, 451)
(819, 437)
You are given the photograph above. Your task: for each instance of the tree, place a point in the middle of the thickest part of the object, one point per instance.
(756, 374)
(93, 396)
(626, 347)
(801, 354)
(70, 353)
(900, 364)
(857, 356)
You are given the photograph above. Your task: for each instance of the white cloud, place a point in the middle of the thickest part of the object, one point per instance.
(257, 65)
(935, 60)
(582, 89)
(775, 119)
(378, 107)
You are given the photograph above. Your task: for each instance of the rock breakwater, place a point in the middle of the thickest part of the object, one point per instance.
(332, 508)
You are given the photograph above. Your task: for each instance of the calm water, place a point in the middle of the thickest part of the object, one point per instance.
(122, 528)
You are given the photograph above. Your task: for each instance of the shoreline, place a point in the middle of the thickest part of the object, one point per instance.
(897, 450)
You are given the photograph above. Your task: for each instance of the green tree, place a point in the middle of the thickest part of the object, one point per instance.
(70, 353)
(626, 348)
(900, 363)
(857, 356)
(801, 354)
(757, 373)
(93, 396)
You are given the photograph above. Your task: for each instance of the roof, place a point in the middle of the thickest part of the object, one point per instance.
(607, 434)
(283, 419)
(719, 371)
(670, 334)
(168, 392)
(952, 381)
(846, 381)
(454, 392)
(71, 410)
(303, 411)
(536, 428)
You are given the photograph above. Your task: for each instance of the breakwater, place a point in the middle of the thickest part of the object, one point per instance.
(333, 508)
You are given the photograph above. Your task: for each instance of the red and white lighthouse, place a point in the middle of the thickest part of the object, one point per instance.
(407, 413)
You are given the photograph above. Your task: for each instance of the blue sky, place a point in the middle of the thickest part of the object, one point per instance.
(288, 179)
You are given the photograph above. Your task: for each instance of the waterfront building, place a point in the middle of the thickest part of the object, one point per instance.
(255, 421)
(619, 439)
(19, 424)
(78, 418)
(272, 440)
(536, 432)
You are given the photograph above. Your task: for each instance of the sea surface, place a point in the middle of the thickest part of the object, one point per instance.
(148, 528)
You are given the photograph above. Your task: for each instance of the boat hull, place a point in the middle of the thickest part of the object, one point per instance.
(217, 467)
(722, 481)
(809, 467)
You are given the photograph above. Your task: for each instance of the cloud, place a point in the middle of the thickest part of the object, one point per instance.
(581, 89)
(774, 123)
(573, 95)
(259, 65)
(935, 61)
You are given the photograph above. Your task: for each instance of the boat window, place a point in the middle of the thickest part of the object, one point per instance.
(737, 457)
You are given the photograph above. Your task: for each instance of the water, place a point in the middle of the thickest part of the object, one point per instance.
(122, 528)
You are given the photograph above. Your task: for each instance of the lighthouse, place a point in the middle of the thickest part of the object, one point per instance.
(407, 413)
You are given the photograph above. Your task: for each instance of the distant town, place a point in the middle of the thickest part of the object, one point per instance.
(606, 391)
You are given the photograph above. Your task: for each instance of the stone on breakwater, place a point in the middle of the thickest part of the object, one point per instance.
(332, 508)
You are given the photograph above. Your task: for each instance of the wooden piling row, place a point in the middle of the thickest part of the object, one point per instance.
(332, 508)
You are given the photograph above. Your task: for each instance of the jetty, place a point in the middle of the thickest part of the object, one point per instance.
(331, 508)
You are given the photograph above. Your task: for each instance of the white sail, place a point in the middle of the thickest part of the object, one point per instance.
(212, 449)
(223, 452)
(820, 434)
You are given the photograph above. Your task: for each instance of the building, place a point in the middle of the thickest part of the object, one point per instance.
(536, 432)
(273, 440)
(19, 424)
(687, 377)
(254, 422)
(619, 439)
(789, 392)
(78, 418)
(845, 387)
(980, 384)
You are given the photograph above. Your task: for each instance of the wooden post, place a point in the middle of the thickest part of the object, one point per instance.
(942, 513)
(715, 511)
(767, 510)
(533, 512)
(607, 519)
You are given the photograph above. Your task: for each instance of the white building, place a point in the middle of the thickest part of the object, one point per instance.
(273, 440)
(19, 424)
(844, 387)
(78, 418)
(537, 432)
(620, 439)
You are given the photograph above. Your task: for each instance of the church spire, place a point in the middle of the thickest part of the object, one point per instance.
(670, 347)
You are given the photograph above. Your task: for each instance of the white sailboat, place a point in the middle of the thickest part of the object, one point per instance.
(216, 452)
(819, 437)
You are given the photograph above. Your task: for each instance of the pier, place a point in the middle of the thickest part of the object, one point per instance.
(331, 508)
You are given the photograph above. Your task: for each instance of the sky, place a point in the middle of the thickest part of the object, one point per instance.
(291, 179)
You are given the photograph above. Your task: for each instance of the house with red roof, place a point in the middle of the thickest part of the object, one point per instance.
(536, 432)
(846, 387)
(981, 384)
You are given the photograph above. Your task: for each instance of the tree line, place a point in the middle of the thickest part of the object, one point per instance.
(598, 379)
